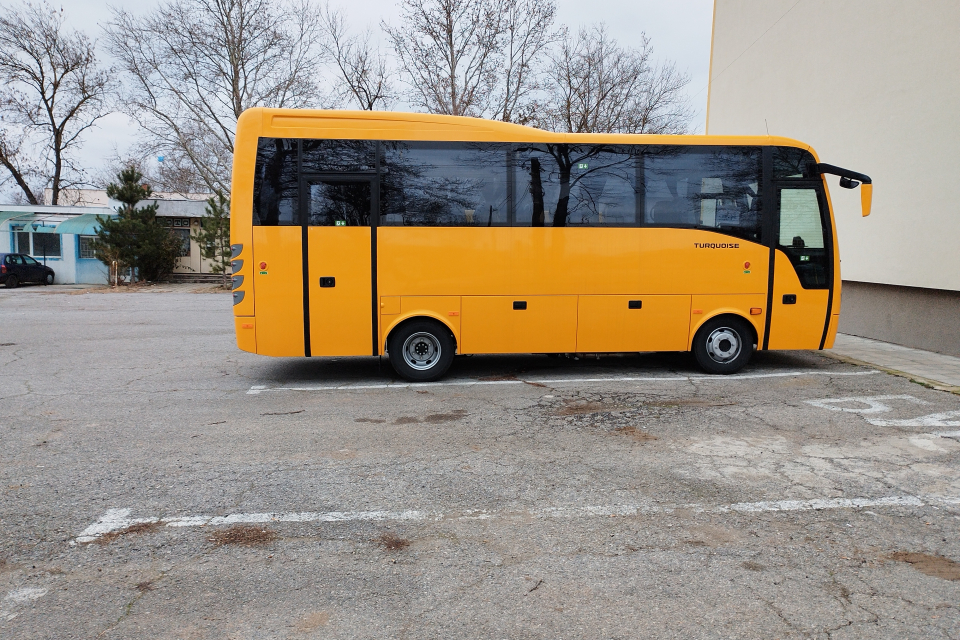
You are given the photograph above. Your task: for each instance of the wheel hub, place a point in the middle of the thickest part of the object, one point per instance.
(723, 345)
(421, 351)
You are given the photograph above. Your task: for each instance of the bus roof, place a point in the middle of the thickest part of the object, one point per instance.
(395, 125)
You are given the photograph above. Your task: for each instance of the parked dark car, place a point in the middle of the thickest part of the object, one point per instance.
(18, 268)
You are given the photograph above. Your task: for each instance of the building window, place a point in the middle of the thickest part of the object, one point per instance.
(87, 247)
(46, 245)
(184, 235)
(23, 242)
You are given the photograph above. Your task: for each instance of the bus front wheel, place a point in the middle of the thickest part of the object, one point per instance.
(421, 350)
(723, 345)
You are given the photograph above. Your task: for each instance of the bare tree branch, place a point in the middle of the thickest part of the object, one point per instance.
(193, 66)
(448, 52)
(596, 85)
(364, 76)
(525, 38)
(52, 91)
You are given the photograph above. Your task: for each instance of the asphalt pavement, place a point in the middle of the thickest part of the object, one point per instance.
(155, 482)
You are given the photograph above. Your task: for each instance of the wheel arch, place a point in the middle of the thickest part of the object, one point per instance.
(420, 314)
(719, 313)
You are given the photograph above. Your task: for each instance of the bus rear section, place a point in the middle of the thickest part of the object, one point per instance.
(420, 249)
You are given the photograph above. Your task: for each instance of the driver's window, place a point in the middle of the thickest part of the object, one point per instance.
(801, 236)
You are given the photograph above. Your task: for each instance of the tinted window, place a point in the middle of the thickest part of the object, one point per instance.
(29, 260)
(332, 203)
(23, 241)
(275, 182)
(443, 184)
(801, 236)
(716, 188)
(790, 162)
(46, 244)
(335, 156)
(16, 259)
(560, 185)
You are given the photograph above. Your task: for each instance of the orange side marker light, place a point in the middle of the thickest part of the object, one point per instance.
(698, 311)
(454, 313)
(246, 326)
(755, 311)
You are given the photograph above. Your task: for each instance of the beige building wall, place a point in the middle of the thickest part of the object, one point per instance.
(873, 86)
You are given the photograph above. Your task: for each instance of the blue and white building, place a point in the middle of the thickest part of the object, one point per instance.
(59, 237)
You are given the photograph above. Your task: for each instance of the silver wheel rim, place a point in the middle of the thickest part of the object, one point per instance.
(421, 351)
(723, 345)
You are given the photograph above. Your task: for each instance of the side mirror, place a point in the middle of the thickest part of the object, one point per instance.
(847, 183)
(866, 198)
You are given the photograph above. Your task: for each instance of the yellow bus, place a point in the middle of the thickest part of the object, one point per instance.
(423, 236)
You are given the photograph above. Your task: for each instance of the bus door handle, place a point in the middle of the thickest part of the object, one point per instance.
(635, 304)
(519, 305)
(789, 298)
(328, 282)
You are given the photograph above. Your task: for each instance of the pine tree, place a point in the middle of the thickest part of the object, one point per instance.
(134, 238)
(214, 235)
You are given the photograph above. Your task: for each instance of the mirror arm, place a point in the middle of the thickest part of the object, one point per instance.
(843, 173)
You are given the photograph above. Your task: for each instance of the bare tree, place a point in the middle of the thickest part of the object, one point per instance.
(448, 52)
(526, 34)
(363, 74)
(595, 85)
(193, 66)
(52, 91)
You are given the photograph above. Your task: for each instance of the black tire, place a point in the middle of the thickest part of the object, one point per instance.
(48, 278)
(421, 350)
(12, 282)
(723, 345)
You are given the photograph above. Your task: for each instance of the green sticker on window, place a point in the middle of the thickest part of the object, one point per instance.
(341, 223)
(582, 165)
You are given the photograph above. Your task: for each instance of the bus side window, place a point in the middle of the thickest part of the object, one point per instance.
(444, 184)
(716, 188)
(275, 183)
(566, 185)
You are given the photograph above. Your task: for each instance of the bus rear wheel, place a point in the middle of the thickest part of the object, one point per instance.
(421, 350)
(723, 345)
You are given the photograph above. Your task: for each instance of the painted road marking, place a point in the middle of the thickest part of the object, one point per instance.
(946, 419)
(257, 389)
(877, 404)
(874, 403)
(119, 519)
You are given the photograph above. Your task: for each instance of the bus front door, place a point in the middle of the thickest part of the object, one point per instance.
(337, 211)
(803, 269)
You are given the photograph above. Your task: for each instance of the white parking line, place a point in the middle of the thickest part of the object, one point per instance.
(116, 520)
(256, 389)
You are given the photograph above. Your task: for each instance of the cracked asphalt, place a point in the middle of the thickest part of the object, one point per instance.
(155, 482)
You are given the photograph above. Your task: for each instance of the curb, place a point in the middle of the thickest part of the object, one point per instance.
(926, 382)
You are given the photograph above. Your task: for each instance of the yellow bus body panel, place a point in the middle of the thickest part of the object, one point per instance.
(246, 328)
(718, 305)
(491, 324)
(340, 316)
(279, 290)
(241, 205)
(607, 323)
(394, 310)
(800, 325)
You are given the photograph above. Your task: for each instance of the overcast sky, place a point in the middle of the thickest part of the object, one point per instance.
(679, 31)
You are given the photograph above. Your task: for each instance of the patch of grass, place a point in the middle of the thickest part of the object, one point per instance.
(244, 535)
